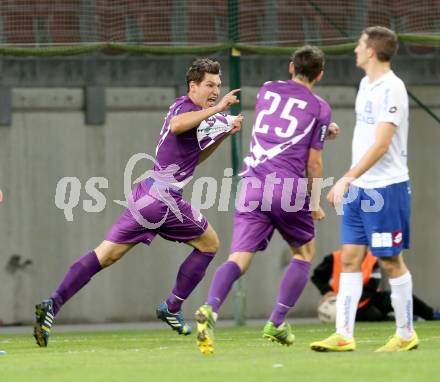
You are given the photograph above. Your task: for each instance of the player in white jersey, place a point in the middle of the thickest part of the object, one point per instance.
(383, 100)
(375, 194)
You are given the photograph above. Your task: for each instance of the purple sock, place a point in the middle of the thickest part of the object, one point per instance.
(190, 273)
(221, 284)
(78, 275)
(293, 283)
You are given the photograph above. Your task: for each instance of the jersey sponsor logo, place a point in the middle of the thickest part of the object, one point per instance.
(392, 109)
(212, 128)
(381, 240)
(397, 238)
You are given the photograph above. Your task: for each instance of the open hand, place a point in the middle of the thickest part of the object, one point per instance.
(337, 192)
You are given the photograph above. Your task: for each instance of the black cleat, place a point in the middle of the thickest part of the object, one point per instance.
(43, 322)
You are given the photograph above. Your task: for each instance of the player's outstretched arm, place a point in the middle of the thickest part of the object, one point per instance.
(186, 121)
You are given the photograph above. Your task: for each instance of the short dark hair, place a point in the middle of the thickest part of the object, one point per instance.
(199, 67)
(384, 42)
(308, 61)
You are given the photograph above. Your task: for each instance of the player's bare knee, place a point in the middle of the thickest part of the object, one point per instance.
(114, 257)
(108, 258)
(214, 244)
(386, 266)
(352, 257)
(351, 264)
(242, 259)
(210, 244)
(109, 253)
(309, 256)
(305, 252)
(304, 256)
(393, 266)
(207, 242)
(242, 265)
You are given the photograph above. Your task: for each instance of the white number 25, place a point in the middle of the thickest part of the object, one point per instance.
(285, 114)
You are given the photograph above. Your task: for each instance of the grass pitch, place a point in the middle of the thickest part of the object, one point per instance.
(241, 355)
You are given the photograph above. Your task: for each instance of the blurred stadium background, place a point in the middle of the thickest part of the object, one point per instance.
(85, 84)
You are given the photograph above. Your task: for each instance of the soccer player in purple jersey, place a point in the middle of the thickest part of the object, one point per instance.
(287, 141)
(180, 149)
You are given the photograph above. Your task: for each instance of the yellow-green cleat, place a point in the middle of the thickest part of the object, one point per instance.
(335, 342)
(281, 334)
(205, 329)
(397, 344)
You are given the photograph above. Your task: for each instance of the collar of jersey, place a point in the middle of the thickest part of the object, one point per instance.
(379, 80)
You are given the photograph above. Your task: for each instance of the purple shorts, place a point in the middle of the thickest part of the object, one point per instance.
(165, 213)
(253, 230)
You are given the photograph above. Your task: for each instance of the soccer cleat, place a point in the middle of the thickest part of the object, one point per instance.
(436, 315)
(175, 320)
(397, 344)
(43, 322)
(205, 329)
(281, 334)
(335, 342)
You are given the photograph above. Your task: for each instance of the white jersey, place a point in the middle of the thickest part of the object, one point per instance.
(384, 100)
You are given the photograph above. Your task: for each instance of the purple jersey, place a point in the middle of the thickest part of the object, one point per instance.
(178, 155)
(179, 151)
(289, 120)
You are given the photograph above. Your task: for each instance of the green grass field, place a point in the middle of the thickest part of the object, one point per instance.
(241, 355)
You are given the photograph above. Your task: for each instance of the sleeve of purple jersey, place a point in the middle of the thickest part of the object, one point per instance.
(186, 107)
(321, 125)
